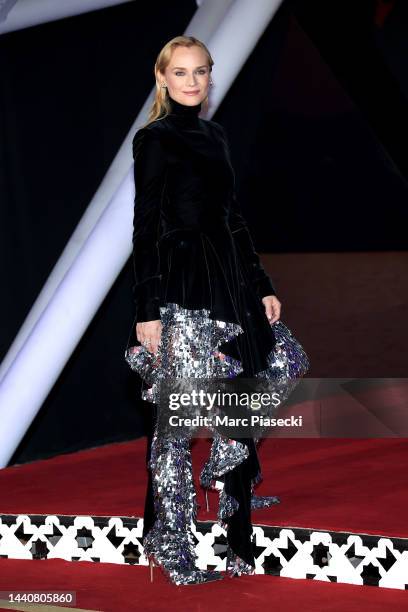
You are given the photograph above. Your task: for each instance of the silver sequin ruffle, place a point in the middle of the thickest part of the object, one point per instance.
(188, 349)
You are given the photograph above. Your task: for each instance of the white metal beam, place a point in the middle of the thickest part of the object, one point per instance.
(20, 14)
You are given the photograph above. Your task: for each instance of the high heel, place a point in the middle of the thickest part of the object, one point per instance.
(151, 565)
(191, 575)
(237, 566)
(206, 500)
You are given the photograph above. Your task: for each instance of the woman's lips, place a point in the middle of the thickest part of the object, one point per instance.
(191, 93)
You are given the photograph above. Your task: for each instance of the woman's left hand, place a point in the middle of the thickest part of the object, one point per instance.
(272, 308)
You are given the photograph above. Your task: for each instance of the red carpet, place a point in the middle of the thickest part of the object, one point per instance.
(334, 484)
(118, 588)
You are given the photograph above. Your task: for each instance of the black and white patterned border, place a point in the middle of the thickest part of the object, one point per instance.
(279, 551)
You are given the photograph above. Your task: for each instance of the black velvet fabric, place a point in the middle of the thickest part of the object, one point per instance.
(191, 243)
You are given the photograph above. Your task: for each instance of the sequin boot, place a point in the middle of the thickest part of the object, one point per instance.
(170, 542)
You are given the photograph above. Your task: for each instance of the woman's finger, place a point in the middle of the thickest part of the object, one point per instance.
(276, 313)
(269, 310)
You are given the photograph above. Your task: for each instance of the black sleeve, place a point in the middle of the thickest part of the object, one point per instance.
(149, 176)
(243, 240)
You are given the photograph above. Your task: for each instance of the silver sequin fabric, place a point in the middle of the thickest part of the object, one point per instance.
(189, 348)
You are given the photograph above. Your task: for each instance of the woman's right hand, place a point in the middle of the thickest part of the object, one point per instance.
(149, 334)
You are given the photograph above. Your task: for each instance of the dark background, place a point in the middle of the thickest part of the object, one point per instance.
(317, 121)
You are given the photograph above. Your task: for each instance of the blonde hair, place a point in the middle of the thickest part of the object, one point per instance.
(161, 106)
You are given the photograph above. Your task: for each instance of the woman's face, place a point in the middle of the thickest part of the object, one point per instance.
(187, 76)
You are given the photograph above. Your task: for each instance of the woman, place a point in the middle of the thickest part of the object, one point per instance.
(204, 308)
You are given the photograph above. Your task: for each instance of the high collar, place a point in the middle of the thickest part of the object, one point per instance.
(183, 111)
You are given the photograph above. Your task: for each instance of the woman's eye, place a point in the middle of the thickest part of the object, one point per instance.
(202, 71)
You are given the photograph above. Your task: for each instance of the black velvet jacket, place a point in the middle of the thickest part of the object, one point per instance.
(191, 243)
